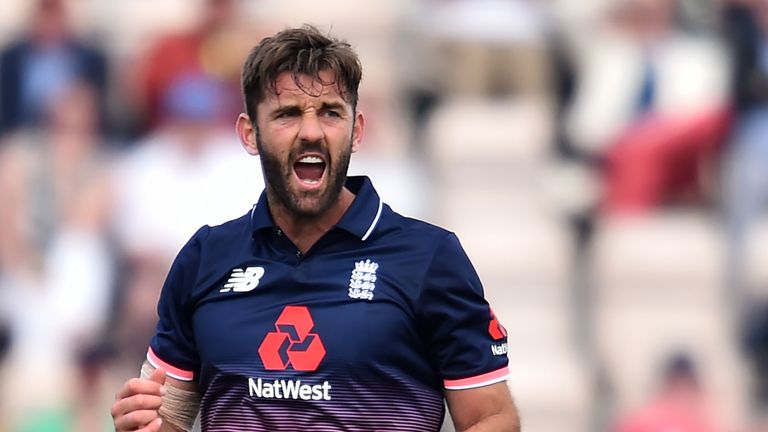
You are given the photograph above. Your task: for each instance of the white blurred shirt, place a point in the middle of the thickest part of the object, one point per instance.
(165, 194)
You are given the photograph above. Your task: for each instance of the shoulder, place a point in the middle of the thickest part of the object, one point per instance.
(431, 239)
(393, 222)
(222, 244)
(211, 245)
(441, 248)
(212, 236)
(232, 230)
(14, 50)
(213, 250)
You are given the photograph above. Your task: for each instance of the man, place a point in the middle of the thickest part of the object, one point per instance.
(681, 403)
(321, 308)
(48, 58)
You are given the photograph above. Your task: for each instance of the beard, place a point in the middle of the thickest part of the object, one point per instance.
(278, 176)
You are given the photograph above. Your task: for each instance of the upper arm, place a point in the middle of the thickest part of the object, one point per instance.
(14, 248)
(12, 173)
(463, 337)
(173, 346)
(468, 343)
(487, 408)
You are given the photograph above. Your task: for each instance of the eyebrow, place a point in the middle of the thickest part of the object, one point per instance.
(294, 108)
(332, 106)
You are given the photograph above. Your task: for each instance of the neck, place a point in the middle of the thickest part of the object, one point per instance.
(305, 231)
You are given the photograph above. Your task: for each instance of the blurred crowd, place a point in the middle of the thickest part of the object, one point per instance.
(604, 162)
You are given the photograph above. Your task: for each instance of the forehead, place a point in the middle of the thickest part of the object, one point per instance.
(308, 88)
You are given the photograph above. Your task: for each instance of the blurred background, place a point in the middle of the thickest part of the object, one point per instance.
(605, 163)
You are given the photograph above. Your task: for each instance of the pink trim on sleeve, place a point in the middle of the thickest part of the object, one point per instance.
(478, 381)
(171, 371)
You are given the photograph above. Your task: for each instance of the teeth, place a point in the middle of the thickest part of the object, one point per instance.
(312, 182)
(311, 159)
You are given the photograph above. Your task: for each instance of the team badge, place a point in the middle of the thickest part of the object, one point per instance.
(363, 280)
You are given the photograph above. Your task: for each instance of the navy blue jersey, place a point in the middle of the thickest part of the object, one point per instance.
(361, 333)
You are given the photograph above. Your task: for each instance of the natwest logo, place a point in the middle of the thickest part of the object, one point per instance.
(288, 389)
(292, 344)
(495, 329)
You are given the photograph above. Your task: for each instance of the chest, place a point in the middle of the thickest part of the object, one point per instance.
(309, 316)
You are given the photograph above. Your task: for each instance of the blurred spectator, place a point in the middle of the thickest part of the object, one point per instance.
(475, 49)
(746, 176)
(189, 172)
(214, 48)
(681, 404)
(650, 101)
(645, 92)
(55, 267)
(745, 23)
(746, 179)
(487, 47)
(47, 58)
(756, 345)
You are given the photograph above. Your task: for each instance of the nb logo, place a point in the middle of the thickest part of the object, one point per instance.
(243, 280)
(292, 344)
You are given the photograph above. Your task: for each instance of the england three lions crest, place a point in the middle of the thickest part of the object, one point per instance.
(363, 280)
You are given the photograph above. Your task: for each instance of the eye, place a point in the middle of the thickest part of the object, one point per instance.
(286, 113)
(332, 114)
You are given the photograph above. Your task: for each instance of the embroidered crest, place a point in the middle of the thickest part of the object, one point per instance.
(363, 280)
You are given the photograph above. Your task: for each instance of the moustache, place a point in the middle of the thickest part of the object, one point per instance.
(311, 147)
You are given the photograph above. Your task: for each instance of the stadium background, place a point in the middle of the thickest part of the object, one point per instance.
(601, 160)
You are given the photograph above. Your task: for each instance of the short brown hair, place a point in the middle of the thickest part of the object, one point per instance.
(300, 51)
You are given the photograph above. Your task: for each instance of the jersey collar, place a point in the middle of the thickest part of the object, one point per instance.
(360, 219)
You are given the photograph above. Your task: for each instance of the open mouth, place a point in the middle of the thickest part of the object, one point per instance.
(309, 169)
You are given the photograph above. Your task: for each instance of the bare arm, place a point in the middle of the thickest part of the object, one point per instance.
(138, 404)
(15, 251)
(488, 408)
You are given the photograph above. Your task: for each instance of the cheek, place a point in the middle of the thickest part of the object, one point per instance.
(339, 137)
(278, 143)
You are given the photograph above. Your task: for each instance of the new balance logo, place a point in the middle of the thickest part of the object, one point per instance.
(243, 280)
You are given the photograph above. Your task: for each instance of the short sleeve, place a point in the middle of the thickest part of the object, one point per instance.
(173, 346)
(467, 342)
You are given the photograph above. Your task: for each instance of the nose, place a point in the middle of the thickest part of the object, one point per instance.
(310, 130)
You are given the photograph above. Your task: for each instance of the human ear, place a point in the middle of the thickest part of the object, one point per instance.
(246, 130)
(357, 130)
